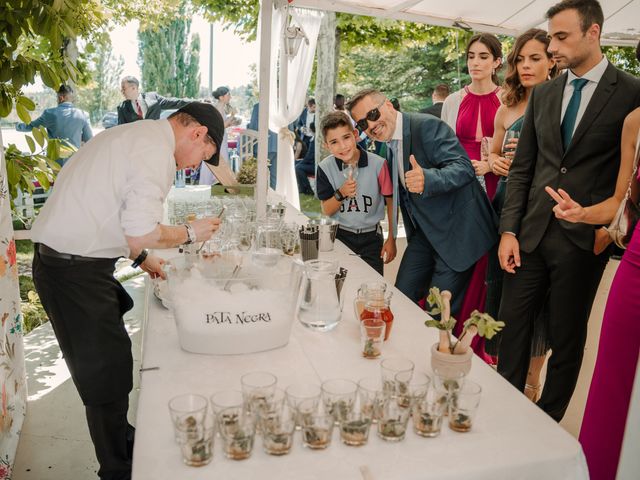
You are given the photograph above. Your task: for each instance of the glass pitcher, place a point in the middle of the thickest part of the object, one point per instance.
(319, 304)
(374, 301)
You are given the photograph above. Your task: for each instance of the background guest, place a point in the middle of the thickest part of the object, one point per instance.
(528, 64)
(307, 165)
(139, 106)
(64, 122)
(471, 113)
(439, 95)
(570, 140)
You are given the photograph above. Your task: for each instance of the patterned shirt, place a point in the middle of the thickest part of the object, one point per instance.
(367, 208)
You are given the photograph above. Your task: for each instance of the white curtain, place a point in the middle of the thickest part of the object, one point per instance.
(288, 94)
(13, 390)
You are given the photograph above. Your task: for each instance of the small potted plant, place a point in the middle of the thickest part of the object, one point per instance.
(449, 356)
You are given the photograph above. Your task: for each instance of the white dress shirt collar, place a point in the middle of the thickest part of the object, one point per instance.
(593, 75)
(397, 134)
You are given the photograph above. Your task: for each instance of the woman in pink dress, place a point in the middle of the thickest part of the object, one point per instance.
(471, 113)
(607, 406)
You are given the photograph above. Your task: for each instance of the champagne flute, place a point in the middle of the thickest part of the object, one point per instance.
(510, 143)
(350, 170)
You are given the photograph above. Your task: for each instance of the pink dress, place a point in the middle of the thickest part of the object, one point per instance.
(472, 108)
(605, 414)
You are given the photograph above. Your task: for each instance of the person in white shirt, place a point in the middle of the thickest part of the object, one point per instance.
(108, 203)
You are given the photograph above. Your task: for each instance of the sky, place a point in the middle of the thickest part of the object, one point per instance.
(231, 60)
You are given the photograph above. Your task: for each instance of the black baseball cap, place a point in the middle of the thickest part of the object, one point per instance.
(209, 116)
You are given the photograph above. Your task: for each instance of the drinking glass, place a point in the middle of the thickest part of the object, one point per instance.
(372, 332)
(509, 144)
(187, 411)
(354, 429)
(392, 424)
(257, 389)
(428, 411)
(410, 388)
(237, 430)
(277, 432)
(196, 442)
(304, 399)
(371, 397)
(317, 431)
(226, 399)
(389, 368)
(463, 406)
(339, 397)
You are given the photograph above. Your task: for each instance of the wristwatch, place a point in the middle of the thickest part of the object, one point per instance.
(140, 258)
(338, 196)
(191, 234)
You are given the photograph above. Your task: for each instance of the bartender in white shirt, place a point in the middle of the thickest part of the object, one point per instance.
(108, 203)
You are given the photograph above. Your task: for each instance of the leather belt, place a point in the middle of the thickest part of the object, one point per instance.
(50, 252)
(359, 230)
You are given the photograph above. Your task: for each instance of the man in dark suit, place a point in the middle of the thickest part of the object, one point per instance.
(138, 106)
(570, 140)
(439, 95)
(447, 216)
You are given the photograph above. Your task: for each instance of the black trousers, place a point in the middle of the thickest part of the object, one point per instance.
(368, 245)
(570, 276)
(85, 304)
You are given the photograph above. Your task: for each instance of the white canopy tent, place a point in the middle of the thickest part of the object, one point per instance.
(621, 27)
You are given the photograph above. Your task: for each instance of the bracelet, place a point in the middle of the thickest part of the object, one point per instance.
(140, 258)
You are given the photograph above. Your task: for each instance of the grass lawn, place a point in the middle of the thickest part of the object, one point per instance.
(310, 206)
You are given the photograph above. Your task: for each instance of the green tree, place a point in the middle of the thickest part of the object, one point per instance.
(168, 61)
(103, 91)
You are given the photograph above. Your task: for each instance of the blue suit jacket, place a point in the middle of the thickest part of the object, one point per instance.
(272, 146)
(453, 212)
(65, 122)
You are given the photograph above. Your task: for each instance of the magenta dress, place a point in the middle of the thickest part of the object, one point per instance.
(607, 406)
(485, 106)
(472, 107)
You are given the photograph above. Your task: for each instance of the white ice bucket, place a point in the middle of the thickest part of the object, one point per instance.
(229, 304)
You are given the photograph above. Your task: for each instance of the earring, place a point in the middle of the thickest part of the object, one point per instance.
(493, 72)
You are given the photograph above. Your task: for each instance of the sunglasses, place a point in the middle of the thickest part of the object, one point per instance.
(371, 116)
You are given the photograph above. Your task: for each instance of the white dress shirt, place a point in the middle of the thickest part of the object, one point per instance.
(143, 105)
(594, 75)
(115, 185)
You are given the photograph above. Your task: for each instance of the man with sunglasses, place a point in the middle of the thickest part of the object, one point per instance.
(447, 216)
(108, 203)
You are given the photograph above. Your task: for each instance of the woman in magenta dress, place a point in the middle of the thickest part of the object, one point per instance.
(607, 406)
(471, 113)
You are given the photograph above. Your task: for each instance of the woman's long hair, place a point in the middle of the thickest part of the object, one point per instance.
(495, 48)
(514, 91)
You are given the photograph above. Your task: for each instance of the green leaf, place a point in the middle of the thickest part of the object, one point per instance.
(37, 134)
(26, 102)
(31, 143)
(6, 104)
(42, 179)
(23, 113)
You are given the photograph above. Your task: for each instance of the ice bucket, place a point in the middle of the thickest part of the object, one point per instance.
(328, 229)
(229, 304)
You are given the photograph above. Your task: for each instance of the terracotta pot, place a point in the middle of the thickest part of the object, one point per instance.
(448, 364)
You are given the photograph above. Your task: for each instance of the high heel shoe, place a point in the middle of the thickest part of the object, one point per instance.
(532, 392)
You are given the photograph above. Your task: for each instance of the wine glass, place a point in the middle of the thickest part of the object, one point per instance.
(510, 143)
(350, 170)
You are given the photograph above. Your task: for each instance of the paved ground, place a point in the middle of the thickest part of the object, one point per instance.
(55, 443)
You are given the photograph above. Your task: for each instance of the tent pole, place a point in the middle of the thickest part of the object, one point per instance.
(264, 83)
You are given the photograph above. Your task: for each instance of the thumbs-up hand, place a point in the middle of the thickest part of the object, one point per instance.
(414, 178)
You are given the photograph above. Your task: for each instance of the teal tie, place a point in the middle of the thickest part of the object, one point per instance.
(569, 120)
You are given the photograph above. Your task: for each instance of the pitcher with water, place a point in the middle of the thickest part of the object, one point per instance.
(319, 304)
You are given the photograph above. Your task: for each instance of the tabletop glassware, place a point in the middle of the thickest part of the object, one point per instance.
(339, 397)
(196, 441)
(187, 411)
(463, 406)
(389, 368)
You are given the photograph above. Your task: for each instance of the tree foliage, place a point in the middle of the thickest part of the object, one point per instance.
(168, 61)
(102, 93)
(240, 15)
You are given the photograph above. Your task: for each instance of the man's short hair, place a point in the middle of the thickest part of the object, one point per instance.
(358, 97)
(589, 11)
(311, 101)
(441, 91)
(65, 89)
(131, 79)
(333, 120)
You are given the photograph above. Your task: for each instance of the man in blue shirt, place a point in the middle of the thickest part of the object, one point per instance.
(65, 121)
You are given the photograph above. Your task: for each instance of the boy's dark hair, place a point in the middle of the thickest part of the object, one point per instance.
(65, 89)
(311, 101)
(358, 97)
(589, 11)
(333, 120)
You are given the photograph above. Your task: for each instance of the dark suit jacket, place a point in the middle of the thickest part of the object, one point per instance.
(587, 170)
(453, 212)
(435, 109)
(155, 104)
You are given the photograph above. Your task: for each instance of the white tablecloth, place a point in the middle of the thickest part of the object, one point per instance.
(511, 437)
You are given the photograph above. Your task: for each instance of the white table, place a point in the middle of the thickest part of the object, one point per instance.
(511, 437)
